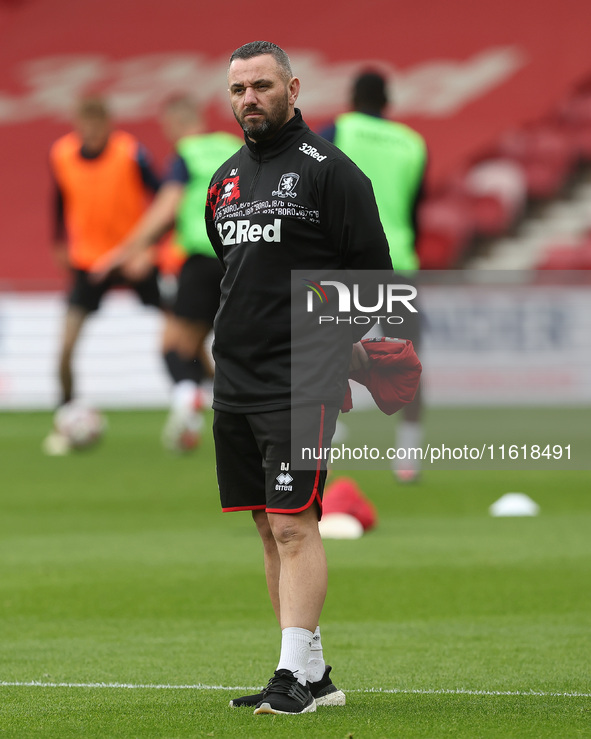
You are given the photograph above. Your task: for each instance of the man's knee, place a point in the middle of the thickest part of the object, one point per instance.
(75, 318)
(290, 530)
(191, 336)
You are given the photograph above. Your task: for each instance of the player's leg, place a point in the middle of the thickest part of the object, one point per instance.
(182, 342)
(293, 507)
(294, 500)
(289, 691)
(409, 436)
(239, 449)
(191, 339)
(182, 362)
(73, 322)
(409, 427)
(303, 578)
(187, 431)
(318, 673)
(301, 591)
(272, 573)
(184, 346)
(84, 298)
(271, 559)
(241, 482)
(185, 350)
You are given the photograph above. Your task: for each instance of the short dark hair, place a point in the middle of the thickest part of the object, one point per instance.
(93, 106)
(182, 104)
(258, 48)
(370, 92)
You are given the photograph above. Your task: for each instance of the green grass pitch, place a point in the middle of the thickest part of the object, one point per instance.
(117, 567)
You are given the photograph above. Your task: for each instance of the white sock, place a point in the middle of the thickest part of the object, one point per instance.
(295, 651)
(316, 664)
(206, 390)
(183, 396)
(409, 434)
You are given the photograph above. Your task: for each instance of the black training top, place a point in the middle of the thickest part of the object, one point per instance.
(295, 202)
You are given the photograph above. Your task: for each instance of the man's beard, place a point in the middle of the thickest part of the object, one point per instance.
(268, 127)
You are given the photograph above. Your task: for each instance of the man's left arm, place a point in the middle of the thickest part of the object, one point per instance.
(148, 174)
(329, 132)
(349, 216)
(419, 197)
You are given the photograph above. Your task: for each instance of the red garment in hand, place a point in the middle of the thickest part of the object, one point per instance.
(393, 374)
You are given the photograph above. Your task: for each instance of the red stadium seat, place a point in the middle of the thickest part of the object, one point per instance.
(575, 116)
(567, 256)
(546, 154)
(497, 192)
(445, 231)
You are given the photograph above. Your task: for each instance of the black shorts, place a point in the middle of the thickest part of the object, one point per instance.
(87, 295)
(198, 292)
(255, 466)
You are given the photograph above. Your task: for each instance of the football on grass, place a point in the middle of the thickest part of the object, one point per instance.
(80, 424)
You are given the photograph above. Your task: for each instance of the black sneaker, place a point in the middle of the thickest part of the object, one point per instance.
(285, 694)
(324, 692)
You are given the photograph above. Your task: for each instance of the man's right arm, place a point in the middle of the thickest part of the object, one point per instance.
(161, 215)
(156, 221)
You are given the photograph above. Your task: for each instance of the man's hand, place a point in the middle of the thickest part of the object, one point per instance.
(132, 260)
(138, 266)
(359, 358)
(112, 260)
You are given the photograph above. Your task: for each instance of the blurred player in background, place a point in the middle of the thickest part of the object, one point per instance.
(103, 181)
(394, 157)
(181, 203)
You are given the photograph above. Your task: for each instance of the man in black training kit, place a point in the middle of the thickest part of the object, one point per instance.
(287, 200)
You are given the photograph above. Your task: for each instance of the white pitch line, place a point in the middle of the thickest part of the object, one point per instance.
(462, 691)
(244, 688)
(127, 686)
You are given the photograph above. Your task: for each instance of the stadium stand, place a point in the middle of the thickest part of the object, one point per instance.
(574, 116)
(458, 80)
(497, 191)
(566, 256)
(528, 201)
(446, 229)
(553, 234)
